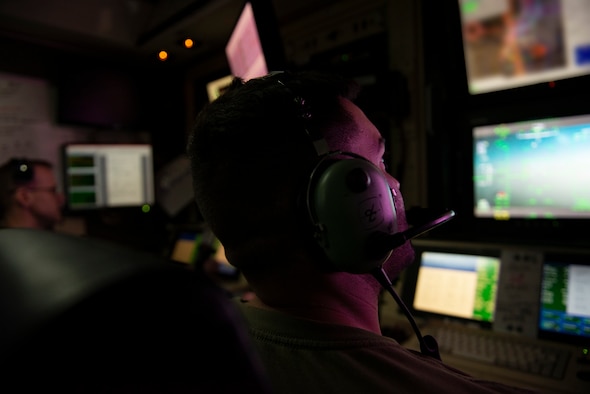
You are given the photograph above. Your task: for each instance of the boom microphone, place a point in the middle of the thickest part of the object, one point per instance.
(382, 243)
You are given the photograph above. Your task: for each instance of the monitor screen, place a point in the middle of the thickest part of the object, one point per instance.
(564, 308)
(244, 50)
(218, 86)
(457, 285)
(185, 246)
(255, 46)
(516, 43)
(108, 175)
(536, 169)
(199, 247)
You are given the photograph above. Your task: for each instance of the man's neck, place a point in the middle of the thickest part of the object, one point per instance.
(341, 298)
(21, 221)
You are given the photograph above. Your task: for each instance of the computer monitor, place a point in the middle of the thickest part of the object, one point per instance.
(565, 290)
(255, 46)
(458, 285)
(194, 246)
(513, 43)
(534, 169)
(185, 246)
(218, 86)
(98, 176)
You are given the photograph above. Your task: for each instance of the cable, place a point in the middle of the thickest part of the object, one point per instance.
(428, 344)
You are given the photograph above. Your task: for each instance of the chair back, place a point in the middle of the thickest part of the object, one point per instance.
(85, 315)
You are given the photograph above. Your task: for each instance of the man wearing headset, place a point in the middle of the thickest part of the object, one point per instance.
(29, 195)
(285, 168)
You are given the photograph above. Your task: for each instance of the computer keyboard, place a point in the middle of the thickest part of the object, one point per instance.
(502, 350)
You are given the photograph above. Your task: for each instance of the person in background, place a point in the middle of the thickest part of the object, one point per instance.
(29, 197)
(254, 153)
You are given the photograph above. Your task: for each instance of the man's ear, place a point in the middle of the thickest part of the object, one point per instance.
(22, 196)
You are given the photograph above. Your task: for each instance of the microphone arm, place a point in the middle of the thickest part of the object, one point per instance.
(428, 344)
(416, 231)
(382, 243)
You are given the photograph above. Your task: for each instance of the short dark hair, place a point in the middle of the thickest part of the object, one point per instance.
(251, 153)
(14, 173)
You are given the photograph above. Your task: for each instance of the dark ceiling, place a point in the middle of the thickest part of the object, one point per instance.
(135, 27)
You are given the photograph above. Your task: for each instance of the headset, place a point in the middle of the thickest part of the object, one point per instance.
(351, 208)
(350, 204)
(15, 173)
(22, 170)
(348, 201)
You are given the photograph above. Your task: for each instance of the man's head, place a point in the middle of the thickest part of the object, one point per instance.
(252, 152)
(29, 196)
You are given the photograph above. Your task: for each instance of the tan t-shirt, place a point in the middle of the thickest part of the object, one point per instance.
(303, 356)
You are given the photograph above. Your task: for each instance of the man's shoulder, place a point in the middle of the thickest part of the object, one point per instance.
(307, 356)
